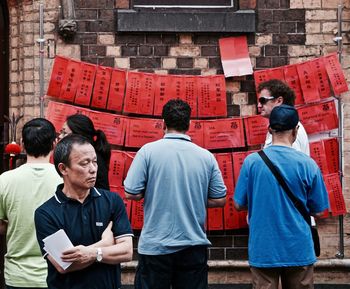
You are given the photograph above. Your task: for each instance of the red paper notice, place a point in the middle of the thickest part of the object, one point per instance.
(335, 74)
(190, 93)
(256, 129)
(318, 154)
(162, 93)
(196, 132)
(276, 73)
(235, 56)
(321, 77)
(140, 89)
(116, 90)
(307, 77)
(85, 84)
(335, 194)
(137, 215)
(70, 80)
(231, 216)
(318, 117)
(101, 88)
(57, 75)
(215, 219)
(226, 167)
(238, 159)
(112, 125)
(259, 77)
(223, 133)
(127, 203)
(58, 112)
(143, 130)
(292, 79)
(211, 96)
(177, 86)
(331, 148)
(116, 168)
(129, 158)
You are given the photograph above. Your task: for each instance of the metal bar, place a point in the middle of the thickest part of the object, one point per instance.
(338, 39)
(41, 42)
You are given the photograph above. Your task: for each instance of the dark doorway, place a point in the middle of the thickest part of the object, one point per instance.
(4, 77)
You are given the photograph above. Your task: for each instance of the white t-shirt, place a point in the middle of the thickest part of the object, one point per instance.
(300, 144)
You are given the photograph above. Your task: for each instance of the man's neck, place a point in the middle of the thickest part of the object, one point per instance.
(78, 194)
(170, 130)
(282, 140)
(38, 160)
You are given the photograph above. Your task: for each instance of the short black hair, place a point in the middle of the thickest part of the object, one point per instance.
(176, 114)
(64, 148)
(38, 136)
(278, 88)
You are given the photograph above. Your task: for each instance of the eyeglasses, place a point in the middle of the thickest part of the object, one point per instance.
(264, 99)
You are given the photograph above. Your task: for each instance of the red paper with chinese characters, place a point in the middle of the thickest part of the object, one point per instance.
(335, 194)
(235, 56)
(70, 80)
(116, 168)
(292, 79)
(215, 219)
(276, 73)
(318, 117)
(127, 203)
(129, 157)
(226, 167)
(259, 77)
(191, 93)
(112, 125)
(137, 215)
(243, 219)
(318, 154)
(143, 130)
(238, 159)
(58, 112)
(308, 82)
(139, 96)
(255, 129)
(331, 148)
(101, 87)
(223, 133)
(321, 77)
(162, 93)
(231, 216)
(335, 74)
(116, 90)
(177, 86)
(212, 96)
(85, 84)
(57, 76)
(196, 132)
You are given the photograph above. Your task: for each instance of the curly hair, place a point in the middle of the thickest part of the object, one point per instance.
(176, 114)
(278, 88)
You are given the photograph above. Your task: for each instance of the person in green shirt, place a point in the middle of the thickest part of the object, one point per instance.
(22, 190)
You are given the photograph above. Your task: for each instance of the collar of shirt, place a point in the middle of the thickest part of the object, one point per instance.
(62, 198)
(177, 136)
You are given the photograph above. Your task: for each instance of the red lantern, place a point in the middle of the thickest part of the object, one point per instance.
(12, 149)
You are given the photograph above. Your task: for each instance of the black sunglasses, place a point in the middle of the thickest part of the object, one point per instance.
(264, 99)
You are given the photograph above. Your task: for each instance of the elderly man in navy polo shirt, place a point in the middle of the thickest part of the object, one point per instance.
(94, 220)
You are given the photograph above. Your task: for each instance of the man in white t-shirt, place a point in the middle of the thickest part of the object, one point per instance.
(273, 93)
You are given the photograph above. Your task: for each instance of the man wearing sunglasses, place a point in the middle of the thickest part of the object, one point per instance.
(273, 93)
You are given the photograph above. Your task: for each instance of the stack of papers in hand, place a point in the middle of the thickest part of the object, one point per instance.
(56, 244)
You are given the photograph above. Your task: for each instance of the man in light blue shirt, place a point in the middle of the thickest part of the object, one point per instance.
(280, 242)
(178, 181)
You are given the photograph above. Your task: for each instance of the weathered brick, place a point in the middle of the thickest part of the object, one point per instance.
(72, 51)
(247, 4)
(185, 71)
(153, 39)
(289, 15)
(184, 62)
(320, 15)
(301, 27)
(268, 27)
(279, 61)
(185, 39)
(289, 39)
(269, 4)
(254, 50)
(84, 38)
(160, 50)
(284, 4)
(236, 254)
(210, 71)
(169, 39)
(209, 51)
(312, 27)
(247, 86)
(319, 39)
(89, 4)
(130, 39)
(329, 27)
(201, 63)
(233, 86)
(122, 4)
(122, 63)
(189, 51)
(308, 4)
(216, 254)
(221, 241)
(144, 62)
(82, 14)
(97, 50)
(288, 27)
(233, 110)
(129, 50)
(106, 14)
(145, 50)
(215, 62)
(263, 39)
(271, 50)
(101, 26)
(240, 98)
(263, 62)
(205, 39)
(169, 63)
(105, 39)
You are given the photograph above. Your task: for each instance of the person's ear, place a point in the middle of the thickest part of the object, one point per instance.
(279, 100)
(270, 130)
(62, 168)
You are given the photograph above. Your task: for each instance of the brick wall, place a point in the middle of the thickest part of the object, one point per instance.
(287, 32)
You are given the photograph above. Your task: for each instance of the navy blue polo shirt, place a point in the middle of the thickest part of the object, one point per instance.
(84, 224)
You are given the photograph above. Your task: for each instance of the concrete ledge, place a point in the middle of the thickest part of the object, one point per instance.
(179, 21)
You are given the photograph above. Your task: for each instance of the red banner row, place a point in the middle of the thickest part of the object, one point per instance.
(309, 79)
(228, 218)
(135, 92)
(211, 134)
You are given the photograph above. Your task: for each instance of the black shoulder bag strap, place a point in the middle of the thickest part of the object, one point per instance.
(285, 187)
